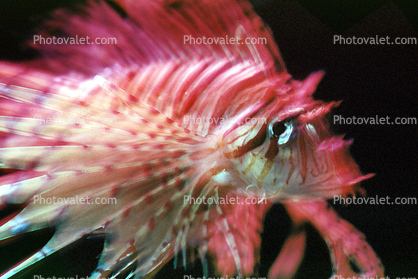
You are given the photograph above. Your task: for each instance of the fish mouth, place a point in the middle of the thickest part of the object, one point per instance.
(337, 173)
(346, 176)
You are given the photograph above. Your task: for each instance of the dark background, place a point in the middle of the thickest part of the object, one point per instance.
(370, 79)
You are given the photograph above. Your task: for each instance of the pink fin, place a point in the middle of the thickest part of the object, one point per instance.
(243, 242)
(345, 242)
(290, 257)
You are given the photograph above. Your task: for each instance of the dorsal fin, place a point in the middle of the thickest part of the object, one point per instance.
(147, 57)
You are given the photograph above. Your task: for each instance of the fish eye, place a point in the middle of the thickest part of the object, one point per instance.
(284, 131)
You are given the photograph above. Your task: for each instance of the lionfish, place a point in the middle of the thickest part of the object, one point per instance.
(130, 121)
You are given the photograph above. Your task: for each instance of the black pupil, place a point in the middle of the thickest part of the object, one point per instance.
(278, 128)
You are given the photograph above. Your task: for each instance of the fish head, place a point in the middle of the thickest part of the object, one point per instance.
(289, 152)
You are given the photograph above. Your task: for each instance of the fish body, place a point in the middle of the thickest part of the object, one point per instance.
(153, 122)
